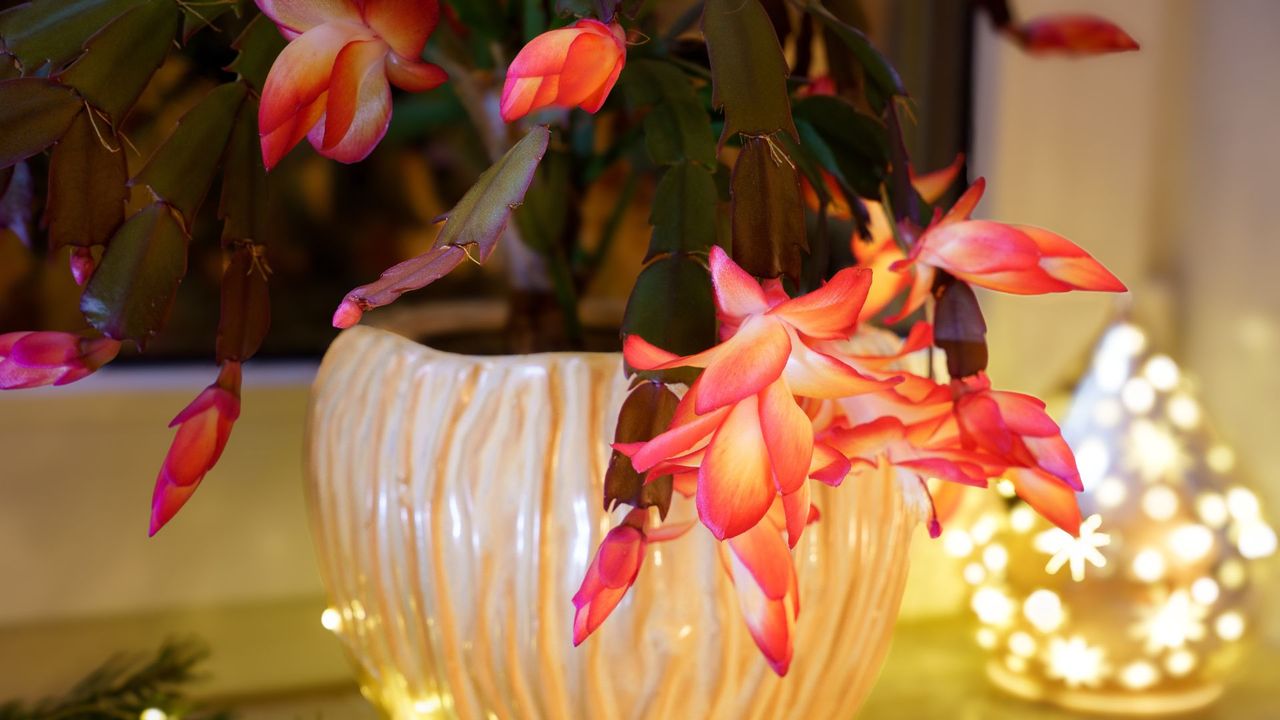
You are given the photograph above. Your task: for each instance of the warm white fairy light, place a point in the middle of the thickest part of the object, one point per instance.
(1205, 591)
(331, 619)
(1232, 574)
(1022, 518)
(984, 529)
(1229, 626)
(1171, 623)
(1162, 372)
(1022, 644)
(1016, 663)
(1148, 565)
(1076, 662)
(957, 543)
(974, 573)
(986, 638)
(1192, 542)
(1242, 504)
(1043, 609)
(1184, 411)
(1111, 493)
(995, 557)
(428, 706)
(1180, 663)
(1006, 488)
(1160, 502)
(1138, 396)
(1221, 459)
(1065, 550)
(153, 713)
(1108, 413)
(1153, 451)
(993, 606)
(1139, 675)
(1092, 460)
(1256, 540)
(1212, 509)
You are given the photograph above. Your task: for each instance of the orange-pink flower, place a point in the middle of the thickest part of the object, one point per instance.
(332, 83)
(39, 359)
(614, 568)
(576, 66)
(741, 419)
(1073, 35)
(1017, 259)
(203, 430)
(1015, 430)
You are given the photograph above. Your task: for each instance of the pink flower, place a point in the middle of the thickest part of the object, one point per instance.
(576, 66)
(203, 430)
(1073, 35)
(1017, 259)
(38, 359)
(759, 563)
(742, 414)
(1015, 430)
(614, 569)
(332, 83)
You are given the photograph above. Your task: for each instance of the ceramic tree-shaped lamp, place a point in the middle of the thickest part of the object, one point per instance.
(1144, 612)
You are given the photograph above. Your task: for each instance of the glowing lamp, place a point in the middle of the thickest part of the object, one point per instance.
(1143, 612)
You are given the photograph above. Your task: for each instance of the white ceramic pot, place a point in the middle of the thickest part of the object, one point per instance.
(456, 502)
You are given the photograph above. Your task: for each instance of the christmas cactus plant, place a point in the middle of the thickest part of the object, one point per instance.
(786, 214)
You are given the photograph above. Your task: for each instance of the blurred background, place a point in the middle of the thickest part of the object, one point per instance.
(1157, 162)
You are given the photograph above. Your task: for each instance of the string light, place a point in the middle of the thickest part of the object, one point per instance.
(331, 619)
(153, 714)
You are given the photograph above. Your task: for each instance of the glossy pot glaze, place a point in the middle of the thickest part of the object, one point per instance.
(455, 504)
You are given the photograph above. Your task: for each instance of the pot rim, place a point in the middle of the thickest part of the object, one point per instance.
(479, 315)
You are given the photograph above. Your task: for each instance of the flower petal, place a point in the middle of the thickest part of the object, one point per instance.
(763, 553)
(303, 15)
(414, 76)
(278, 143)
(368, 126)
(737, 293)
(933, 185)
(830, 312)
(745, 364)
(302, 71)
(814, 374)
(1054, 501)
(1067, 262)
(404, 24)
(788, 436)
(735, 487)
(1074, 35)
(770, 622)
(797, 507)
(356, 65)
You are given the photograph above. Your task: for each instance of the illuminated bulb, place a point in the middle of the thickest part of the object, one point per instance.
(1191, 542)
(1180, 663)
(1230, 626)
(427, 706)
(1184, 411)
(1006, 488)
(331, 619)
(1022, 519)
(1160, 502)
(1075, 663)
(1242, 503)
(1256, 540)
(1232, 574)
(1148, 565)
(1043, 609)
(1138, 396)
(1015, 663)
(1107, 413)
(1022, 644)
(1212, 509)
(1092, 460)
(995, 557)
(1204, 591)
(1172, 623)
(992, 606)
(1221, 458)
(1162, 372)
(1139, 675)
(153, 714)
(957, 543)
(984, 529)
(974, 573)
(986, 638)
(1111, 493)
(1153, 451)
(1124, 340)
